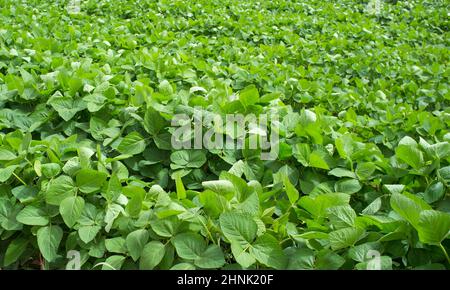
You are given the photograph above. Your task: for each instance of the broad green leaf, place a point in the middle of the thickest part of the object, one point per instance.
(213, 203)
(183, 267)
(116, 245)
(211, 258)
(267, 251)
(291, 191)
(300, 259)
(409, 152)
(132, 144)
(112, 212)
(166, 227)
(6, 173)
(88, 233)
(59, 189)
(6, 155)
(15, 249)
(223, 187)
(113, 263)
(301, 152)
(249, 96)
(114, 188)
(408, 208)
(361, 253)
(152, 255)
(48, 239)
(187, 158)
(165, 88)
(328, 260)
(365, 170)
(66, 106)
(181, 191)
(153, 121)
(242, 255)
(434, 192)
(238, 227)
(316, 160)
(89, 180)
(33, 216)
(50, 170)
(444, 175)
(349, 186)
(189, 246)
(373, 207)
(71, 209)
(394, 188)
(433, 226)
(135, 242)
(341, 172)
(345, 237)
(341, 216)
(311, 235)
(317, 206)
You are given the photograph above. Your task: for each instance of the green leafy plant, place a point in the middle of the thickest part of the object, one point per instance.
(87, 164)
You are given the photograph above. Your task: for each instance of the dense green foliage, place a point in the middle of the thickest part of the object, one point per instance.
(86, 162)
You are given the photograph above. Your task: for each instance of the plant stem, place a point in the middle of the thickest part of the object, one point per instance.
(20, 179)
(445, 252)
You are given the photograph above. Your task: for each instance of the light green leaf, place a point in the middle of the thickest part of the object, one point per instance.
(132, 144)
(406, 207)
(48, 239)
(433, 226)
(33, 216)
(316, 160)
(71, 209)
(135, 242)
(187, 158)
(60, 188)
(242, 256)
(189, 246)
(89, 180)
(50, 170)
(66, 106)
(349, 186)
(113, 263)
(223, 187)
(238, 227)
(341, 172)
(345, 237)
(341, 216)
(183, 267)
(300, 259)
(267, 251)
(5, 173)
(211, 258)
(291, 191)
(6, 155)
(152, 255)
(249, 96)
(153, 121)
(116, 245)
(408, 151)
(88, 233)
